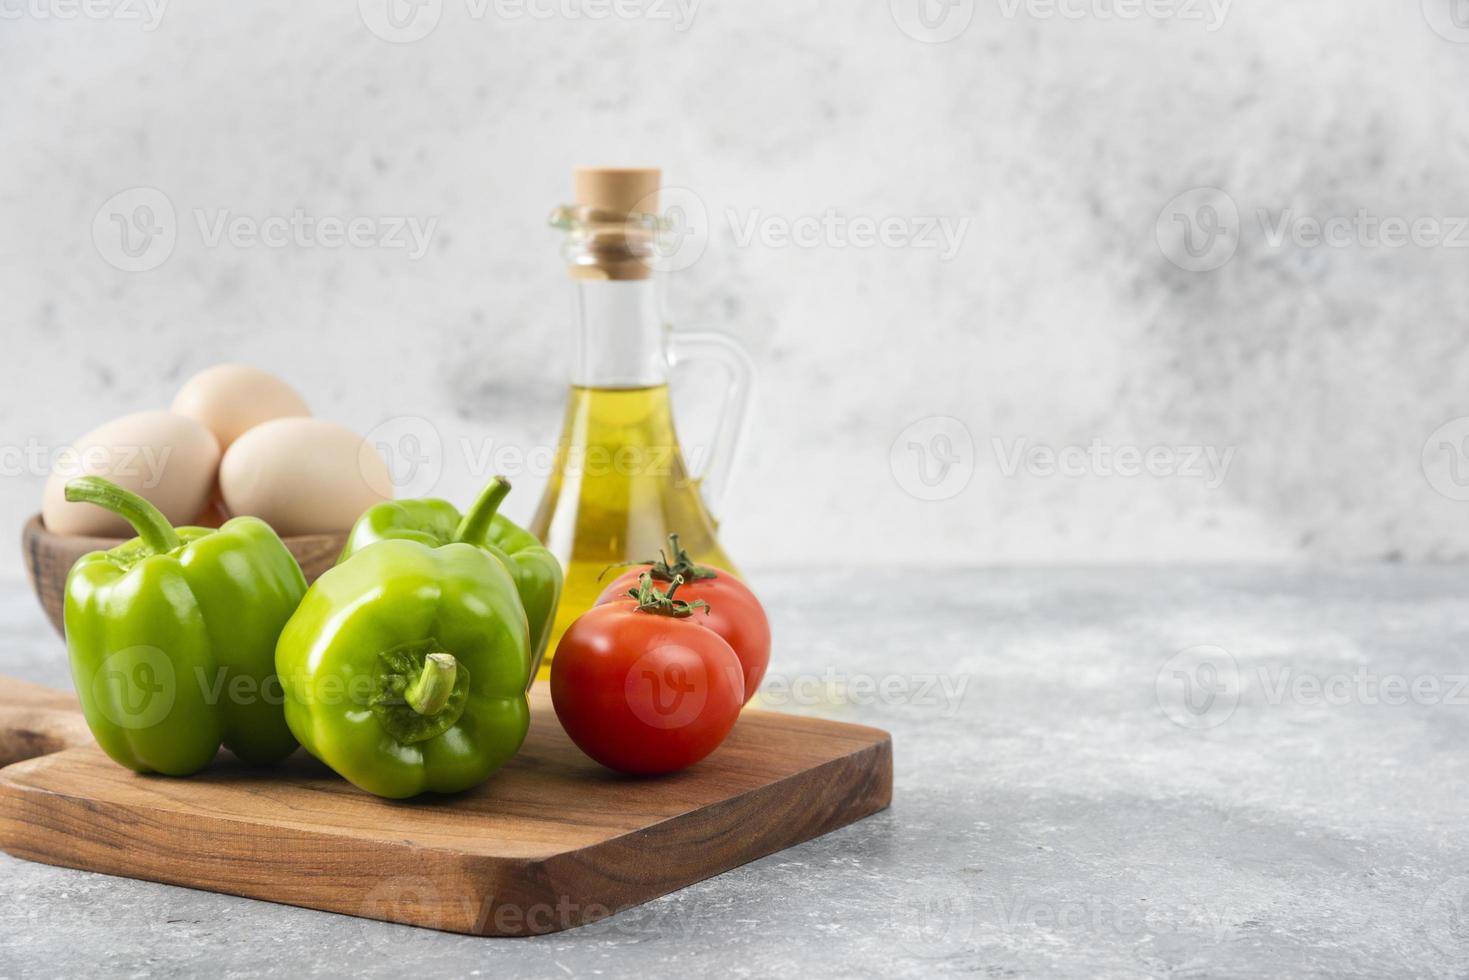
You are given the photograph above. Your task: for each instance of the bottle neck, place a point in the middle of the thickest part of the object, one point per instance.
(619, 334)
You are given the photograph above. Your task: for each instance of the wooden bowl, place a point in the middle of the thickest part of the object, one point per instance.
(49, 557)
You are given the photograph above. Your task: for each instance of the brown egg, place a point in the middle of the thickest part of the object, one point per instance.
(303, 476)
(230, 399)
(167, 458)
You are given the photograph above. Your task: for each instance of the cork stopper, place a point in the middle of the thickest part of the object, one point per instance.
(620, 189)
(610, 223)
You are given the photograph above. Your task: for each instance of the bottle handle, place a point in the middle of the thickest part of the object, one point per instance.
(689, 346)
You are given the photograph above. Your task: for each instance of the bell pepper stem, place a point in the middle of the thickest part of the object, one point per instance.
(476, 521)
(430, 693)
(153, 528)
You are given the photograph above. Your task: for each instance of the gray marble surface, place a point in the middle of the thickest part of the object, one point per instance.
(1063, 806)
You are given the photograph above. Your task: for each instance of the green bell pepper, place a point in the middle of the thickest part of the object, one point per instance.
(405, 668)
(433, 522)
(172, 636)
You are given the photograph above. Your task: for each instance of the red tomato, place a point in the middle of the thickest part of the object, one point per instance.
(733, 612)
(642, 692)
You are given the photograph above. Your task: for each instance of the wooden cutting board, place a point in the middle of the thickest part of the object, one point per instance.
(551, 841)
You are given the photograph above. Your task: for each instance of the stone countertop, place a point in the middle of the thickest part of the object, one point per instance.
(1099, 773)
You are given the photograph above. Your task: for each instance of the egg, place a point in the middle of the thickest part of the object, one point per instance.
(231, 399)
(168, 459)
(303, 476)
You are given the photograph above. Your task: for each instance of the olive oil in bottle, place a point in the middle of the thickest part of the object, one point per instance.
(620, 484)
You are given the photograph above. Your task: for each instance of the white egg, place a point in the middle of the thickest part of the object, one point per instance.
(231, 399)
(303, 476)
(168, 459)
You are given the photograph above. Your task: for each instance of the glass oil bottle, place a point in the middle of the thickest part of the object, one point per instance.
(620, 483)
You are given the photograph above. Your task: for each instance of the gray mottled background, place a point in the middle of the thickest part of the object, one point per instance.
(897, 379)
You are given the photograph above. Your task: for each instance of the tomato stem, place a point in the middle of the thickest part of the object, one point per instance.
(650, 600)
(666, 571)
